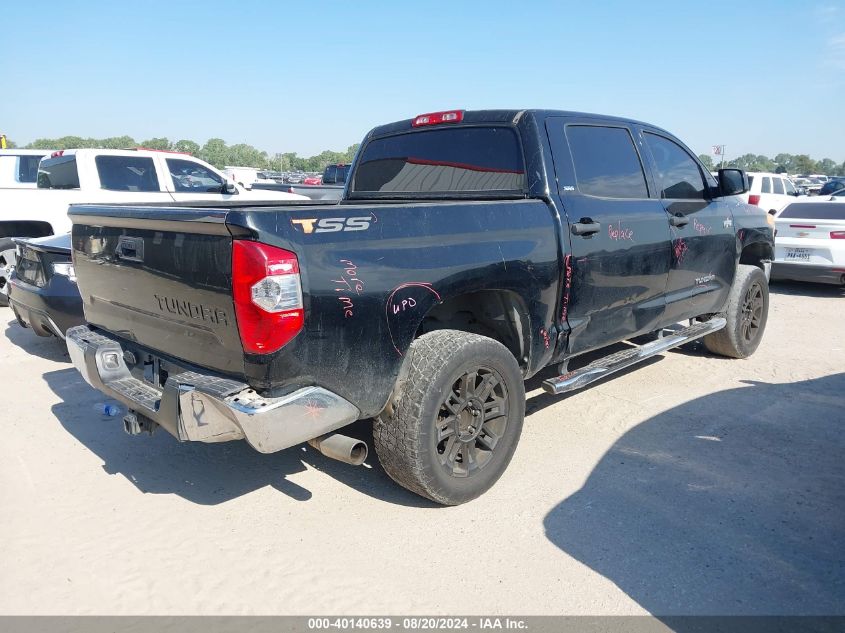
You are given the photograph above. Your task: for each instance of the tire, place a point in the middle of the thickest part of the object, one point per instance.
(6, 246)
(747, 311)
(428, 439)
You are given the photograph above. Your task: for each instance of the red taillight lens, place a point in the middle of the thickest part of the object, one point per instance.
(268, 296)
(837, 235)
(754, 199)
(436, 118)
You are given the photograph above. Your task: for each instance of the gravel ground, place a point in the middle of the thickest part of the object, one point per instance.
(691, 485)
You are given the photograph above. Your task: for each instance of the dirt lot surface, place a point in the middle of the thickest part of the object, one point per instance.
(691, 485)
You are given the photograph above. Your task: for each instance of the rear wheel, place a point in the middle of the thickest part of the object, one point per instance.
(456, 418)
(7, 265)
(747, 312)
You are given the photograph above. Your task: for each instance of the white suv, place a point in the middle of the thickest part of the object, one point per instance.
(770, 192)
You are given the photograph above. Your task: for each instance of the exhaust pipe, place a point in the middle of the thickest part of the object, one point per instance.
(341, 447)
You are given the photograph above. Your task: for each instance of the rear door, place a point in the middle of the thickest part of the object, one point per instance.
(128, 178)
(619, 234)
(704, 256)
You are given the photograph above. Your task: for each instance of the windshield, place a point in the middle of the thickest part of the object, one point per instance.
(442, 161)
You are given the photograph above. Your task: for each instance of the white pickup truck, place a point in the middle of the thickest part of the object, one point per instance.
(108, 176)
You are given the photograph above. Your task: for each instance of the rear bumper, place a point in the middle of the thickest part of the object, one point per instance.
(48, 310)
(809, 272)
(204, 408)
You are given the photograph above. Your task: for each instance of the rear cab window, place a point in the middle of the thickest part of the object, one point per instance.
(58, 173)
(442, 162)
(127, 173)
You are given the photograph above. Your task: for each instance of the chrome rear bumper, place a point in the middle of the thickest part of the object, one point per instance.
(199, 407)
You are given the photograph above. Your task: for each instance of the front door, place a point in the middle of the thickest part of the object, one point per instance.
(703, 236)
(619, 257)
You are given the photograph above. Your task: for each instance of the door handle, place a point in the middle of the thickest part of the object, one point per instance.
(585, 227)
(678, 220)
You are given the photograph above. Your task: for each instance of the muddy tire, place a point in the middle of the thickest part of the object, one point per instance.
(746, 312)
(455, 418)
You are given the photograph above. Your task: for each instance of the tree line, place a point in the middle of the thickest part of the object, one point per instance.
(780, 164)
(215, 151)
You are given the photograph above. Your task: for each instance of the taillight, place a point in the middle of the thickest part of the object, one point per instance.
(436, 118)
(837, 235)
(268, 296)
(754, 199)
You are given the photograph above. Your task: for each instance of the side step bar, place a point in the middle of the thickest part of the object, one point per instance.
(580, 378)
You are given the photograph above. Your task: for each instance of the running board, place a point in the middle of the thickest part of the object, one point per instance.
(598, 369)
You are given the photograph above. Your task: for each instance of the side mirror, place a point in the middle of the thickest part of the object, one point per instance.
(230, 188)
(732, 182)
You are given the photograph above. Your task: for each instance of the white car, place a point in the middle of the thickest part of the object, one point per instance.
(102, 176)
(770, 192)
(19, 167)
(810, 242)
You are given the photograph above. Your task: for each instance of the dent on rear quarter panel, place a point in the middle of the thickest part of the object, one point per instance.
(367, 291)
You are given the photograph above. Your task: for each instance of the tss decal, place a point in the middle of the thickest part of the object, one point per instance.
(332, 225)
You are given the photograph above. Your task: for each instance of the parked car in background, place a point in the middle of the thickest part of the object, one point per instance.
(295, 178)
(104, 175)
(771, 192)
(832, 186)
(42, 291)
(336, 174)
(810, 242)
(245, 176)
(802, 185)
(313, 180)
(19, 167)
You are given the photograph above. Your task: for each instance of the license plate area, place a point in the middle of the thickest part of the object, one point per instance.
(798, 254)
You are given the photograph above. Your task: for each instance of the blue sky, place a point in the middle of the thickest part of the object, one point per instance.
(762, 77)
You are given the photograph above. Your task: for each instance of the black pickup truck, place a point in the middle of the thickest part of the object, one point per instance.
(470, 251)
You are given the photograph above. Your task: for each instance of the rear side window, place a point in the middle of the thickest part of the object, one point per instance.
(814, 211)
(58, 173)
(678, 173)
(778, 185)
(790, 188)
(127, 173)
(750, 181)
(442, 161)
(767, 185)
(606, 162)
(27, 169)
(191, 177)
